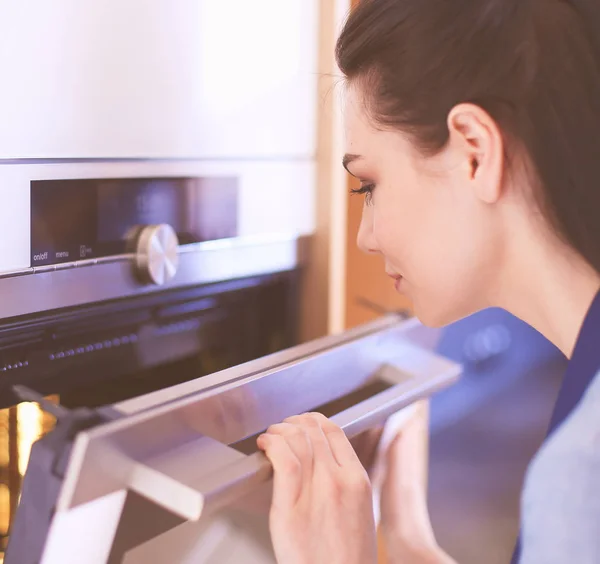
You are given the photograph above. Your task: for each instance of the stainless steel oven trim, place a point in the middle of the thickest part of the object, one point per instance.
(407, 328)
(60, 286)
(104, 459)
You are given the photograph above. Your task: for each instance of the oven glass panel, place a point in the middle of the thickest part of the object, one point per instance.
(191, 332)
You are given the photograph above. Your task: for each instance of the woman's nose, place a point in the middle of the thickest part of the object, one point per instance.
(365, 239)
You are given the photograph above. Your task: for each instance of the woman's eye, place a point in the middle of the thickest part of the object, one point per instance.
(367, 190)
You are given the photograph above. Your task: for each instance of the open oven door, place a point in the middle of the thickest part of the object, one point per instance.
(175, 476)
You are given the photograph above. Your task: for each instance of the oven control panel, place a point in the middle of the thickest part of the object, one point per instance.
(78, 220)
(78, 232)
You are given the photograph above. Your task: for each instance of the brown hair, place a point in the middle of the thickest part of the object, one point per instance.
(533, 65)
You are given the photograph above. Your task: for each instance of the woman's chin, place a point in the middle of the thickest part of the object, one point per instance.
(436, 317)
(432, 321)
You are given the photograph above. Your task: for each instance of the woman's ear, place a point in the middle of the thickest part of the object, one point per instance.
(478, 142)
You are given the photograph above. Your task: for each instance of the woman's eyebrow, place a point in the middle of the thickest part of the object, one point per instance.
(348, 158)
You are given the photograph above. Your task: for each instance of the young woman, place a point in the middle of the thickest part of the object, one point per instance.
(474, 128)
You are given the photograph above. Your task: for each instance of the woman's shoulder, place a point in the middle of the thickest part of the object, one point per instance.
(579, 434)
(561, 498)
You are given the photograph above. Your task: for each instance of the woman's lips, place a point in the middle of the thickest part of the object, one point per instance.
(398, 284)
(397, 280)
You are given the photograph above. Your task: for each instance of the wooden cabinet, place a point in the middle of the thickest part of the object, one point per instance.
(338, 275)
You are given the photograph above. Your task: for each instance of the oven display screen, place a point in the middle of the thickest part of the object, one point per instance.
(80, 219)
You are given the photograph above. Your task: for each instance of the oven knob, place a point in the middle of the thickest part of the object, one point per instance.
(156, 253)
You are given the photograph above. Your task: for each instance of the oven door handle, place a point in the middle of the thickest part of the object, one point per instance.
(179, 486)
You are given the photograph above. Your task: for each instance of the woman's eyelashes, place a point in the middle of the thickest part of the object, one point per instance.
(367, 190)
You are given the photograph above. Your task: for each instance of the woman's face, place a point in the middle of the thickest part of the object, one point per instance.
(428, 216)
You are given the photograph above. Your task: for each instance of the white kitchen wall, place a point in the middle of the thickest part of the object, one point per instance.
(208, 79)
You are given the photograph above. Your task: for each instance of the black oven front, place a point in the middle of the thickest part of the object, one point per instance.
(110, 351)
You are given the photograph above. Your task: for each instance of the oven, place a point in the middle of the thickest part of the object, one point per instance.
(174, 475)
(122, 277)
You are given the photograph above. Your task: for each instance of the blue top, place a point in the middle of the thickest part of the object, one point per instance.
(584, 365)
(572, 448)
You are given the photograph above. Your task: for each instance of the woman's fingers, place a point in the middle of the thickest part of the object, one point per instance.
(304, 443)
(322, 507)
(298, 441)
(311, 423)
(329, 442)
(339, 444)
(287, 469)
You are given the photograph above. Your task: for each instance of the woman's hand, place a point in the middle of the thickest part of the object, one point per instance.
(404, 510)
(322, 509)
(405, 521)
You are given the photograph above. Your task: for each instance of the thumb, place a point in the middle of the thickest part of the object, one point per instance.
(404, 487)
(407, 455)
